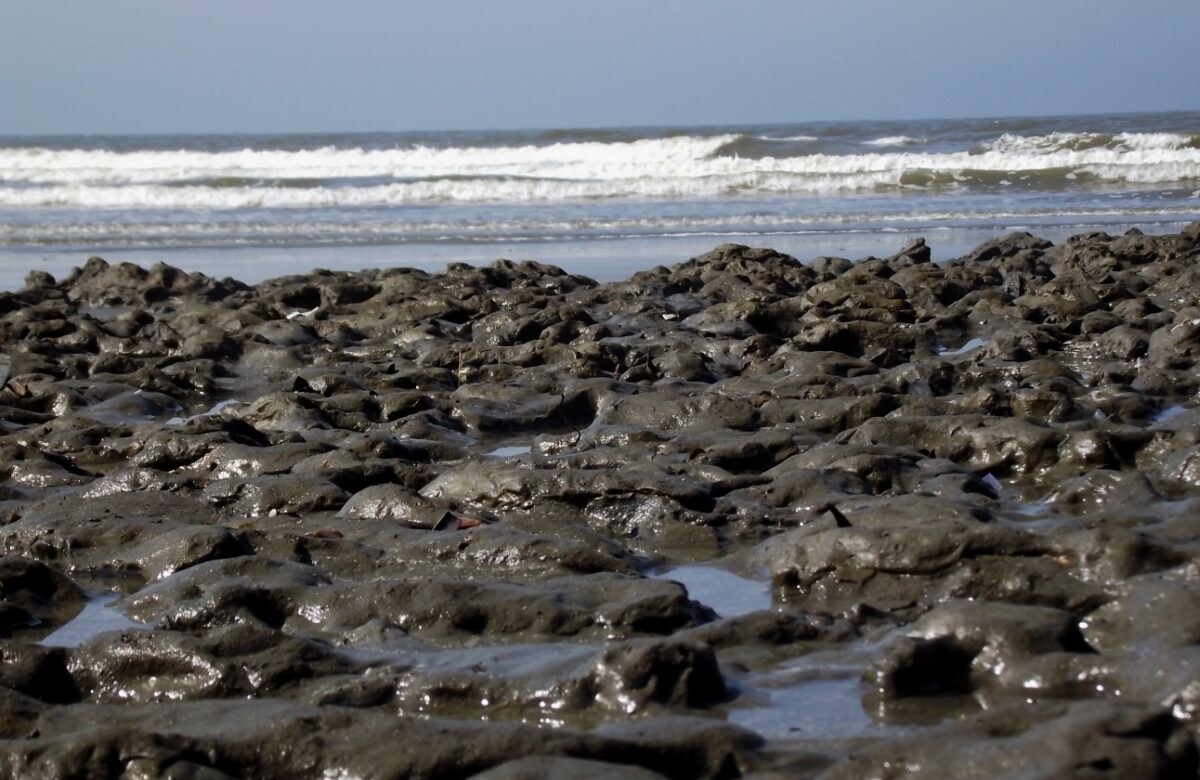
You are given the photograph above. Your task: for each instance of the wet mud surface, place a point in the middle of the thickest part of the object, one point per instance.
(743, 516)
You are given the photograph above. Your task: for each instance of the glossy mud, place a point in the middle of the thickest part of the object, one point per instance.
(738, 516)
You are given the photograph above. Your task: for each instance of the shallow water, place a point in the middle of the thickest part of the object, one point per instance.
(969, 346)
(728, 594)
(511, 451)
(1167, 414)
(128, 409)
(216, 409)
(1034, 509)
(814, 709)
(96, 618)
(103, 313)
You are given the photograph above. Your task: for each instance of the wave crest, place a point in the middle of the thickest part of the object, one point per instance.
(684, 166)
(894, 140)
(1080, 142)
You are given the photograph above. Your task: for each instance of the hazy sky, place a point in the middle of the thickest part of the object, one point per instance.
(80, 66)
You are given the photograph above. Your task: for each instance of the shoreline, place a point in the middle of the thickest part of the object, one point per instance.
(605, 260)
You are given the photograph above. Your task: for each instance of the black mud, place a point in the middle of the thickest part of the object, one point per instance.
(742, 516)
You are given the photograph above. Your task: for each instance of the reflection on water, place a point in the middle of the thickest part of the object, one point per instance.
(822, 696)
(726, 593)
(813, 709)
(216, 409)
(970, 346)
(94, 619)
(1167, 414)
(103, 313)
(132, 408)
(510, 452)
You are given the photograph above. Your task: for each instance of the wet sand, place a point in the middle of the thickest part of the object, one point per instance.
(740, 516)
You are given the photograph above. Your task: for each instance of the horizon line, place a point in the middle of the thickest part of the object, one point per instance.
(581, 128)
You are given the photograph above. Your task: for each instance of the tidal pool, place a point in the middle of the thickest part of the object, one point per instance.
(1166, 415)
(970, 346)
(812, 709)
(510, 451)
(94, 619)
(216, 409)
(728, 594)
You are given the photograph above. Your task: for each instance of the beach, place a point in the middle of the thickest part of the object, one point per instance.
(621, 391)
(736, 515)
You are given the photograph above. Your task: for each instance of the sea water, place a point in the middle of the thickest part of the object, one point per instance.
(601, 202)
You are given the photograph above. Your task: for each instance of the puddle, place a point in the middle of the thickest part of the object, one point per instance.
(509, 452)
(509, 661)
(1167, 414)
(726, 593)
(103, 313)
(822, 696)
(970, 346)
(94, 619)
(1044, 515)
(215, 410)
(1034, 508)
(133, 408)
(814, 709)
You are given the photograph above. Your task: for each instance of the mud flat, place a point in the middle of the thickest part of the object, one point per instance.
(937, 520)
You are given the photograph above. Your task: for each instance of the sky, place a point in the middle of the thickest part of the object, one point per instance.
(148, 66)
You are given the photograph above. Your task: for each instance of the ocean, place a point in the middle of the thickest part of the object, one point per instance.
(602, 202)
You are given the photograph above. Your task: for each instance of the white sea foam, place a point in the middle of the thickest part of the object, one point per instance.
(1011, 143)
(1120, 142)
(796, 138)
(433, 191)
(1155, 140)
(894, 140)
(283, 231)
(564, 160)
(664, 168)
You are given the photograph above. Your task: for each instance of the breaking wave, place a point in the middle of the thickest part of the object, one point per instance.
(676, 167)
(893, 140)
